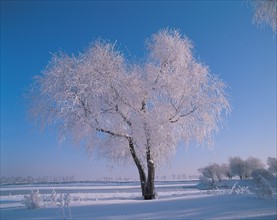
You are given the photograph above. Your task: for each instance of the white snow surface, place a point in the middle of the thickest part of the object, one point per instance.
(123, 201)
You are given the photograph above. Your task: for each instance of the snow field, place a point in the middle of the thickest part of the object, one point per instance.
(125, 202)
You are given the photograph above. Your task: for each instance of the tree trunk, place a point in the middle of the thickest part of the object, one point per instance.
(147, 186)
(212, 180)
(149, 192)
(150, 185)
(142, 175)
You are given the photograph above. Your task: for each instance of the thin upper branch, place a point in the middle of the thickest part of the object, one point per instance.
(172, 120)
(112, 133)
(123, 116)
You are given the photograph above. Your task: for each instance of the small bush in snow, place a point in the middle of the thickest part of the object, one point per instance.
(54, 196)
(33, 200)
(63, 200)
(263, 188)
(241, 190)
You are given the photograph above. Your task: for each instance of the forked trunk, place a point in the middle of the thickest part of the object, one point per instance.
(147, 185)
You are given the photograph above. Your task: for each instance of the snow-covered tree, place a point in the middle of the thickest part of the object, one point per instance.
(251, 164)
(265, 12)
(225, 169)
(123, 110)
(262, 172)
(212, 172)
(244, 168)
(237, 166)
(207, 173)
(272, 164)
(218, 171)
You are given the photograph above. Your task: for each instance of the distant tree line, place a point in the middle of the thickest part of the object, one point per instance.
(237, 167)
(30, 179)
(179, 176)
(64, 179)
(171, 177)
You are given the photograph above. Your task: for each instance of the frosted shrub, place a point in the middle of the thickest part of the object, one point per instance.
(33, 200)
(79, 198)
(54, 196)
(63, 200)
(263, 188)
(238, 189)
(262, 172)
(67, 199)
(241, 190)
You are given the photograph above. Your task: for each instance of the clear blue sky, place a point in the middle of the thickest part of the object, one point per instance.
(224, 38)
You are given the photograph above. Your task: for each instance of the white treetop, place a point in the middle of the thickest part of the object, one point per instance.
(99, 98)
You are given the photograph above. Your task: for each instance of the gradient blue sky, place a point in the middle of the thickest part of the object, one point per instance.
(225, 39)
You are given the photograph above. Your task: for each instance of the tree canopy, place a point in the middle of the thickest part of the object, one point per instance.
(128, 110)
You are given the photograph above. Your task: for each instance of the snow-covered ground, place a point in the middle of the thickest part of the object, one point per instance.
(176, 200)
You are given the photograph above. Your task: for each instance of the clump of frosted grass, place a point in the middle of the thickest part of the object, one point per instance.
(33, 200)
(63, 201)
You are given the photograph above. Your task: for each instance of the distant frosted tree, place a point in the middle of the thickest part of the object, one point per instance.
(212, 172)
(251, 164)
(208, 173)
(265, 12)
(262, 172)
(218, 171)
(128, 111)
(225, 168)
(244, 168)
(237, 166)
(272, 164)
